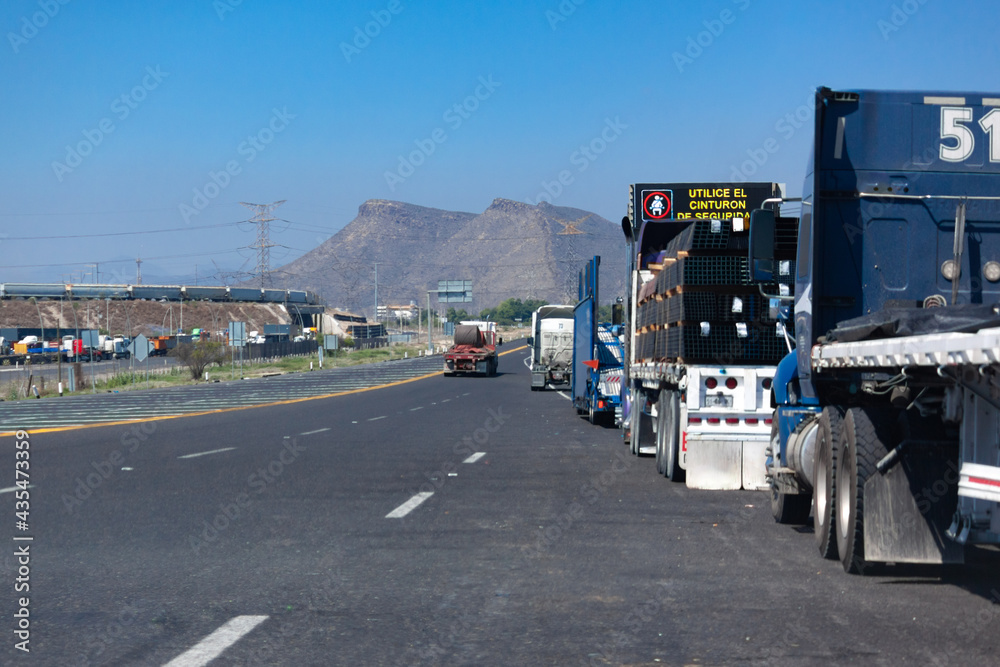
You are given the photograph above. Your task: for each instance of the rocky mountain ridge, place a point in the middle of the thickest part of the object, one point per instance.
(511, 249)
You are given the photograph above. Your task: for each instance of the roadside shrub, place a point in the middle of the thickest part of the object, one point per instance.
(199, 355)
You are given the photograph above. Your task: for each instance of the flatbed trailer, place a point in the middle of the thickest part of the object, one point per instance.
(700, 350)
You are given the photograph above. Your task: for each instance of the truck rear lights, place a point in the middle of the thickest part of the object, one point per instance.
(732, 421)
(711, 383)
(694, 420)
(752, 421)
(713, 420)
(768, 421)
(600, 405)
(731, 383)
(766, 383)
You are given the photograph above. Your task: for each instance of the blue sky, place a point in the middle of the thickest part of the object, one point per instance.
(124, 117)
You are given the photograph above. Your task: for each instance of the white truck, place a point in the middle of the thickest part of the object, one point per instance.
(551, 343)
(700, 343)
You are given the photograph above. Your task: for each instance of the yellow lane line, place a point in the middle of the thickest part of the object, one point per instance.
(290, 401)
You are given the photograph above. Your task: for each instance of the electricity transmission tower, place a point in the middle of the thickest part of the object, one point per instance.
(262, 218)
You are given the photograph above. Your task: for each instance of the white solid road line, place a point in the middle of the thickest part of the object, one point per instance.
(319, 430)
(409, 505)
(11, 489)
(568, 398)
(213, 645)
(475, 457)
(214, 451)
(419, 407)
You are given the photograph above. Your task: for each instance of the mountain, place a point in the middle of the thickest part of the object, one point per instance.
(509, 250)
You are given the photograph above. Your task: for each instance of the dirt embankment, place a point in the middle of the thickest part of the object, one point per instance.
(131, 318)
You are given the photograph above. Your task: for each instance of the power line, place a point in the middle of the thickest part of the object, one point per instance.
(91, 236)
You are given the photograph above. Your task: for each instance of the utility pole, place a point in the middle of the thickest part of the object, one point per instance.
(138, 271)
(375, 316)
(262, 218)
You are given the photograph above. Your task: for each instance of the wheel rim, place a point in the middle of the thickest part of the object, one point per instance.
(844, 478)
(822, 491)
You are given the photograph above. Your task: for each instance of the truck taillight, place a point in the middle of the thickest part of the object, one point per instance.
(752, 421)
(768, 421)
(731, 383)
(732, 421)
(694, 420)
(713, 420)
(711, 383)
(766, 383)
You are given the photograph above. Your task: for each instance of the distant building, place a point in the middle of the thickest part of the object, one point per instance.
(405, 313)
(344, 324)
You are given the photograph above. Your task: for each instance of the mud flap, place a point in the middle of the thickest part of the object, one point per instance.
(754, 467)
(715, 464)
(909, 508)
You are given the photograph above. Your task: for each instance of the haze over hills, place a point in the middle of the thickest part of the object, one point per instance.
(509, 250)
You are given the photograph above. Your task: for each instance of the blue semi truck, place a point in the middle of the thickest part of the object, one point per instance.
(597, 354)
(887, 412)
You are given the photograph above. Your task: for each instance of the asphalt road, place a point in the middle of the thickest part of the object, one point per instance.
(84, 408)
(275, 534)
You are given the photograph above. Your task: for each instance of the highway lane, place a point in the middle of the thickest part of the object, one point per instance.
(83, 408)
(552, 547)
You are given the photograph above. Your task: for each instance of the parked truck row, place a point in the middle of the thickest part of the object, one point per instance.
(32, 350)
(847, 360)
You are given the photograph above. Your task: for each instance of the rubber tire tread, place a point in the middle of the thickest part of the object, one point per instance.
(661, 454)
(869, 430)
(831, 426)
(675, 473)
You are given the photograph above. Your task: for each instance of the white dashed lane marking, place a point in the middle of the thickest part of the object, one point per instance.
(409, 505)
(214, 451)
(212, 646)
(475, 457)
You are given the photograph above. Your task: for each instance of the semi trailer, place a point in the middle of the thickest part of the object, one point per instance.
(701, 345)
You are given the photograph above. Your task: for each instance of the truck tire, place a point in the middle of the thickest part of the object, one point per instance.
(790, 508)
(831, 425)
(596, 418)
(661, 450)
(863, 442)
(668, 436)
(642, 428)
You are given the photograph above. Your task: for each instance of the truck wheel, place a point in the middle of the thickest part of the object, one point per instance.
(863, 442)
(831, 425)
(594, 417)
(792, 508)
(672, 439)
(661, 429)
